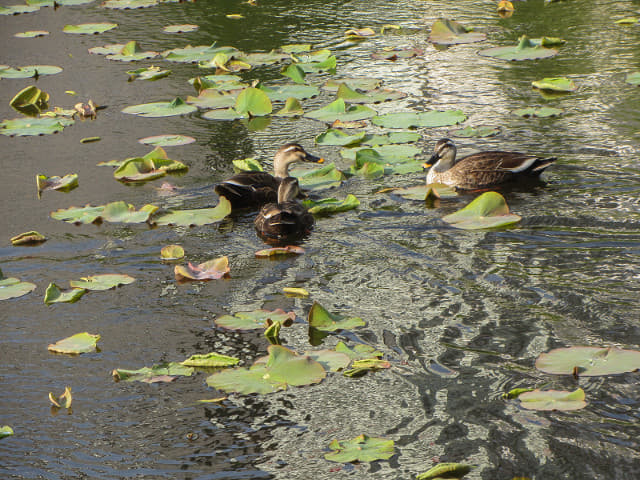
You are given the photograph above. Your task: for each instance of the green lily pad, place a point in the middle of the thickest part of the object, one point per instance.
(426, 192)
(555, 84)
(172, 252)
(255, 319)
(279, 251)
(104, 281)
(223, 114)
(395, 53)
(210, 360)
(6, 431)
(282, 368)
(358, 352)
(294, 291)
(198, 216)
(329, 66)
(28, 71)
(327, 206)
(372, 96)
(489, 210)
(515, 393)
(548, 41)
(28, 238)
(225, 83)
(32, 34)
(33, 126)
(627, 21)
(391, 138)
(361, 83)
(131, 52)
(476, 132)
(553, 400)
(13, 288)
(167, 140)
(110, 49)
(154, 164)
(75, 344)
(361, 367)
(296, 48)
(30, 101)
(211, 98)
(525, 50)
(161, 109)
(359, 33)
(331, 360)
(18, 9)
(445, 470)
(588, 361)
(202, 53)
(163, 372)
(180, 28)
(129, 4)
(541, 112)
(62, 184)
(278, 93)
(89, 28)
(78, 215)
(122, 212)
(225, 62)
(337, 110)
(247, 165)
(253, 102)
(294, 72)
(292, 108)
(384, 159)
(360, 449)
(326, 176)
(337, 137)
(214, 269)
(449, 32)
(265, 58)
(320, 319)
(632, 78)
(419, 119)
(54, 294)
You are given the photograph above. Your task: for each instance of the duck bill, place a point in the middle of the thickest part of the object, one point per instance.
(432, 161)
(313, 158)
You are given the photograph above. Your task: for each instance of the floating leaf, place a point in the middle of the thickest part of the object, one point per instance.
(28, 71)
(296, 48)
(382, 154)
(373, 96)
(180, 28)
(359, 351)
(54, 294)
(131, 52)
(391, 138)
(268, 58)
(62, 184)
(295, 292)
(449, 32)
(548, 41)
(320, 319)
(538, 112)
(31, 34)
(360, 367)
(28, 238)
(337, 137)
(253, 102)
(425, 192)
(360, 449)
(337, 110)
(361, 83)
(326, 176)
(223, 114)
(172, 252)
(110, 49)
(331, 205)
(104, 281)
(210, 360)
(30, 101)
(17, 9)
(445, 470)
(419, 119)
(553, 400)
(627, 21)
(555, 84)
(75, 344)
(525, 50)
(198, 216)
(211, 98)
(161, 109)
(64, 400)
(331, 360)
(167, 140)
(282, 368)
(505, 8)
(292, 108)
(78, 215)
(202, 53)
(632, 78)
(164, 372)
(476, 132)
(210, 270)
(13, 288)
(515, 393)
(247, 165)
(234, 16)
(359, 33)
(129, 4)
(588, 361)
(278, 251)
(284, 92)
(122, 212)
(489, 210)
(154, 164)
(395, 53)
(294, 72)
(90, 139)
(6, 431)
(89, 28)
(255, 319)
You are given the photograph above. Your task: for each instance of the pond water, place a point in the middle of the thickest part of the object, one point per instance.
(460, 315)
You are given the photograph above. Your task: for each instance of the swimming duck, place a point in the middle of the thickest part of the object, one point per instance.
(254, 189)
(286, 219)
(482, 169)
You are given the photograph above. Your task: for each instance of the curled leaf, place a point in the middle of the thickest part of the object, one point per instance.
(211, 270)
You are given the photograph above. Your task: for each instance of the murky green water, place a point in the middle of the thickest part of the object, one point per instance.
(460, 315)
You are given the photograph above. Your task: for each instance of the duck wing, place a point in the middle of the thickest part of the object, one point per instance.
(504, 162)
(249, 189)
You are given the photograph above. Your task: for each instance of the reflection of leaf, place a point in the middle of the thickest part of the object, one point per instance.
(105, 281)
(553, 400)
(196, 217)
(425, 192)
(282, 368)
(255, 319)
(449, 32)
(75, 344)
(360, 449)
(210, 270)
(53, 294)
(588, 361)
(489, 210)
(524, 50)
(277, 251)
(445, 470)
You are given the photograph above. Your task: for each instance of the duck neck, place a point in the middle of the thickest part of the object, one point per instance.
(446, 161)
(281, 167)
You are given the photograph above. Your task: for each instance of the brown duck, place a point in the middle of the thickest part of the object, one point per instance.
(484, 169)
(254, 189)
(285, 220)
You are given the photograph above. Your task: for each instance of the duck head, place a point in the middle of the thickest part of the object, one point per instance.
(288, 190)
(444, 155)
(288, 154)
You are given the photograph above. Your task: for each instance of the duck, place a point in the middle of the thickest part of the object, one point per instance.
(481, 170)
(254, 189)
(286, 219)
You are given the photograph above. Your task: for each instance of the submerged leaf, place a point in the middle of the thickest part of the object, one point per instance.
(489, 210)
(450, 32)
(425, 192)
(360, 449)
(553, 400)
(588, 361)
(476, 132)
(210, 270)
(359, 351)
(373, 96)
(180, 28)
(76, 344)
(632, 78)
(167, 140)
(129, 4)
